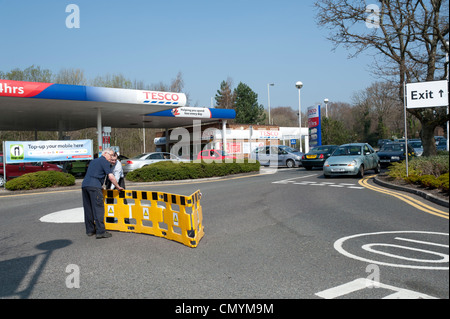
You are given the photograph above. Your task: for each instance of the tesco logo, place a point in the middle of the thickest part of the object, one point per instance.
(313, 112)
(162, 96)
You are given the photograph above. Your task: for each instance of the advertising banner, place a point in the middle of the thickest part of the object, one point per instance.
(197, 112)
(314, 126)
(48, 151)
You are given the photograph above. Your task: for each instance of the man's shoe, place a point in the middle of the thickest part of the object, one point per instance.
(90, 234)
(104, 235)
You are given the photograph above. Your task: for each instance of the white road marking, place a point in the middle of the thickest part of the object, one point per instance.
(364, 283)
(74, 215)
(439, 264)
(314, 183)
(290, 179)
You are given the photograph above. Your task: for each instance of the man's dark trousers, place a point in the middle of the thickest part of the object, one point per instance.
(94, 210)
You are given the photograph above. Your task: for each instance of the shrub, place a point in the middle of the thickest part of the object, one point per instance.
(166, 171)
(431, 172)
(444, 179)
(41, 179)
(398, 170)
(429, 181)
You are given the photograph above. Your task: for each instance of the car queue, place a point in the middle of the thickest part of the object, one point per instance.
(352, 159)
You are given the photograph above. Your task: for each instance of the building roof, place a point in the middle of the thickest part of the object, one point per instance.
(30, 106)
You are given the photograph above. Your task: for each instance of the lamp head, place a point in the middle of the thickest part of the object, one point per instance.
(299, 85)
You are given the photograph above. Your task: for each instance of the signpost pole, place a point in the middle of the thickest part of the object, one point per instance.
(405, 93)
(4, 165)
(446, 60)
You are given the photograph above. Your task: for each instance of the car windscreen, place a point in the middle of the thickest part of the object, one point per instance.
(392, 148)
(416, 144)
(347, 150)
(323, 149)
(287, 149)
(139, 156)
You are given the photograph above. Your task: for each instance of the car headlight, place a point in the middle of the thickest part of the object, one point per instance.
(353, 163)
(395, 158)
(326, 164)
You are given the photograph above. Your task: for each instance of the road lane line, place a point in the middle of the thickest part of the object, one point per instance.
(407, 199)
(284, 181)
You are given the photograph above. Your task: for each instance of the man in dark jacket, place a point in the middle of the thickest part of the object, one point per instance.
(93, 204)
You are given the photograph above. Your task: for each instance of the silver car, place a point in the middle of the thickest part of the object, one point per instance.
(147, 159)
(277, 155)
(352, 159)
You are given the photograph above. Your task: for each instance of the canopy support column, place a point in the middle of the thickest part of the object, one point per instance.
(99, 132)
(224, 135)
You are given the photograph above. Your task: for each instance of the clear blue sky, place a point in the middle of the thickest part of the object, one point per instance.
(251, 41)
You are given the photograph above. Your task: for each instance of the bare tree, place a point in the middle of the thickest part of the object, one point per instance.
(284, 116)
(113, 81)
(70, 76)
(405, 37)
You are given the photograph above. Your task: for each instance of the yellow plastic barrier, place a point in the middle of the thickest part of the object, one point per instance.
(170, 216)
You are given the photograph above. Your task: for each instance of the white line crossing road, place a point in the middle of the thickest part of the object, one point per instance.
(363, 284)
(315, 183)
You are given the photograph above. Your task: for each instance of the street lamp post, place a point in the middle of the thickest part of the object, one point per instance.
(299, 85)
(326, 107)
(268, 96)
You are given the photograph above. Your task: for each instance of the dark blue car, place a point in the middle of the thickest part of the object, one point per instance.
(394, 152)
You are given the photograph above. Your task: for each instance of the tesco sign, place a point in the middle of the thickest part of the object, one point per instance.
(314, 127)
(266, 134)
(162, 98)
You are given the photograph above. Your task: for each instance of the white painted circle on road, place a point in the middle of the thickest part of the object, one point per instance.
(428, 250)
(69, 216)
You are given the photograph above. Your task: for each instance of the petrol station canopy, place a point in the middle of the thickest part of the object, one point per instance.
(34, 106)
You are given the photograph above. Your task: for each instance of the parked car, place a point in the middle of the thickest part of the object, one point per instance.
(382, 141)
(279, 155)
(439, 138)
(145, 159)
(214, 155)
(19, 169)
(442, 144)
(394, 152)
(352, 159)
(317, 156)
(76, 168)
(416, 144)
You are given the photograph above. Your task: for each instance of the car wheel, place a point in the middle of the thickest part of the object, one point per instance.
(290, 163)
(377, 168)
(361, 171)
(2, 181)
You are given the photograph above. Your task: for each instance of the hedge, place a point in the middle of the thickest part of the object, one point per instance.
(166, 171)
(42, 179)
(430, 172)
